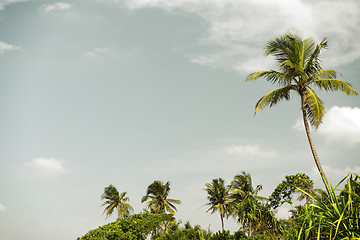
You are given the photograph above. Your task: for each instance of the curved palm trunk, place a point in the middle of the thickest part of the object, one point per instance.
(311, 143)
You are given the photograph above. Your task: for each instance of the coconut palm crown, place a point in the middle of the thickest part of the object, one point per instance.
(159, 202)
(218, 196)
(299, 71)
(114, 200)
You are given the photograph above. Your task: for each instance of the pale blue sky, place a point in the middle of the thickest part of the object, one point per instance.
(126, 92)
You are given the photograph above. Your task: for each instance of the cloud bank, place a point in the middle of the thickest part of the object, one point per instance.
(240, 29)
(46, 167)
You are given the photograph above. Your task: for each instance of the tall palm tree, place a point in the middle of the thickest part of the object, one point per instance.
(300, 70)
(218, 196)
(114, 200)
(159, 202)
(244, 201)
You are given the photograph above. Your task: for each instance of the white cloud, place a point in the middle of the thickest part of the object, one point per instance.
(4, 47)
(299, 125)
(96, 52)
(3, 3)
(249, 150)
(2, 208)
(341, 125)
(46, 167)
(242, 28)
(59, 6)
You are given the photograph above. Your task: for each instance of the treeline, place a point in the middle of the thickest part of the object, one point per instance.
(323, 215)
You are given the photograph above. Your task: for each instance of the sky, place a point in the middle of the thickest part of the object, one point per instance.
(126, 92)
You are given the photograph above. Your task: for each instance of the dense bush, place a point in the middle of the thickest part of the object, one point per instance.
(135, 227)
(225, 235)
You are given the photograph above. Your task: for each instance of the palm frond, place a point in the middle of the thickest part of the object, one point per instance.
(271, 76)
(313, 63)
(159, 202)
(308, 48)
(314, 108)
(336, 85)
(322, 74)
(274, 97)
(279, 48)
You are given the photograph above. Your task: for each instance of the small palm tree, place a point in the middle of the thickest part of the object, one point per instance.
(242, 187)
(300, 71)
(244, 201)
(159, 202)
(218, 196)
(114, 200)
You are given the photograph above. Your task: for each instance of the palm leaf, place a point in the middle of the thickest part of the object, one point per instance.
(271, 76)
(274, 97)
(313, 63)
(336, 84)
(314, 108)
(322, 74)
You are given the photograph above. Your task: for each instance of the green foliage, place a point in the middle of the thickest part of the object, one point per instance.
(225, 235)
(158, 193)
(135, 227)
(186, 233)
(218, 197)
(285, 190)
(299, 69)
(247, 207)
(289, 228)
(334, 216)
(197, 233)
(114, 200)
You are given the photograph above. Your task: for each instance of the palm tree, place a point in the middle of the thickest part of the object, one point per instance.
(242, 186)
(218, 196)
(300, 70)
(244, 201)
(159, 202)
(116, 201)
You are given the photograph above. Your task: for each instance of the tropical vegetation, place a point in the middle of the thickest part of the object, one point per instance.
(333, 213)
(135, 227)
(319, 215)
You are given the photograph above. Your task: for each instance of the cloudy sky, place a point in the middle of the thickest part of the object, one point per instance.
(126, 92)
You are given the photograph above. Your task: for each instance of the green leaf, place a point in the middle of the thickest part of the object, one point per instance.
(273, 97)
(314, 107)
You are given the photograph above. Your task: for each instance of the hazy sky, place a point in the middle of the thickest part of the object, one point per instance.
(126, 92)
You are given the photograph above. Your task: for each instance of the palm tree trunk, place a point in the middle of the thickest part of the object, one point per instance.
(222, 221)
(251, 231)
(312, 145)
